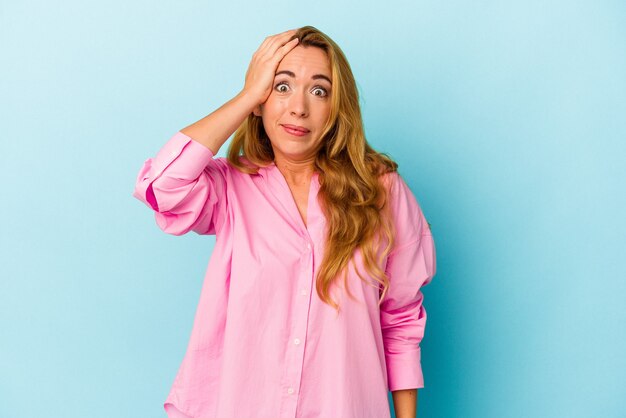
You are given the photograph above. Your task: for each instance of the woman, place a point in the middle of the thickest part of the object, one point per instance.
(311, 305)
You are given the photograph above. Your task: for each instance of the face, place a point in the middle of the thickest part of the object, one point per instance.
(298, 107)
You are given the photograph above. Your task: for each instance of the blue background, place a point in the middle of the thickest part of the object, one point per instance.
(507, 119)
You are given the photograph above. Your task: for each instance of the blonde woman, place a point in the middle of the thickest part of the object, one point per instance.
(311, 304)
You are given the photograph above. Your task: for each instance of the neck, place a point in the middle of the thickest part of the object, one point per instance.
(296, 172)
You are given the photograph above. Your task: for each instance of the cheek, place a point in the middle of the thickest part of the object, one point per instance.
(272, 110)
(324, 114)
(267, 125)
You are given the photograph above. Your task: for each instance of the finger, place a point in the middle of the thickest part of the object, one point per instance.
(261, 49)
(278, 51)
(269, 39)
(283, 50)
(277, 41)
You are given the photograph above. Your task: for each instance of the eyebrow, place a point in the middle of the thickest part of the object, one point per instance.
(314, 77)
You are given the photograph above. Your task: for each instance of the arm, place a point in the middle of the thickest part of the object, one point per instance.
(183, 184)
(213, 130)
(410, 266)
(405, 403)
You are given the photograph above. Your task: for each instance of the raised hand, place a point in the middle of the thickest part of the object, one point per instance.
(262, 68)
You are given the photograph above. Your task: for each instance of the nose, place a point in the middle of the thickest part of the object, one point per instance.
(298, 104)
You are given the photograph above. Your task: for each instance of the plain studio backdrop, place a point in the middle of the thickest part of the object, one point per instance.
(507, 119)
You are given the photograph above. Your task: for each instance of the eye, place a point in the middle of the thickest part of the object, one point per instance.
(322, 89)
(277, 87)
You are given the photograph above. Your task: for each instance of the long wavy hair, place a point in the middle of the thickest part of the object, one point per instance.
(353, 188)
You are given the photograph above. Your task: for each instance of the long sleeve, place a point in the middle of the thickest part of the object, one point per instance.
(184, 186)
(410, 265)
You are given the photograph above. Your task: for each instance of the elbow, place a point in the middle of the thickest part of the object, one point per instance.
(166, 199)
(144, 192)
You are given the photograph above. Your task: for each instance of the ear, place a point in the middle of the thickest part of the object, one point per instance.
(257, 110)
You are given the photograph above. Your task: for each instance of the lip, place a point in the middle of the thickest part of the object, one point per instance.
(295, 129)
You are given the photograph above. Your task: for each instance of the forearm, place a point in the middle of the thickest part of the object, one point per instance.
(213, 130)
(405, 403)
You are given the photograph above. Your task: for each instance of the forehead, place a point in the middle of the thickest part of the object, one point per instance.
(304, 60)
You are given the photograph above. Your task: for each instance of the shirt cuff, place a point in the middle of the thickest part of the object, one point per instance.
(188, 164)
(404, 370)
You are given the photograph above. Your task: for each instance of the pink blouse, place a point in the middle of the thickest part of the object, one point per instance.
(263, 344)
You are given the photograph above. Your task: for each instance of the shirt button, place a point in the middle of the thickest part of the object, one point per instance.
(308, 245)
(303, 292)
(296, 341)
(290, 390)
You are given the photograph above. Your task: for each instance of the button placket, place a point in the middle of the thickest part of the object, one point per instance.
(294, 375)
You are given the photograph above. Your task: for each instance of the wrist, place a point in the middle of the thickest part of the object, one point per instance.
(248, 99)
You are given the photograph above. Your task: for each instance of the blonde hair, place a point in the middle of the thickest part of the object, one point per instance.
(351, 195)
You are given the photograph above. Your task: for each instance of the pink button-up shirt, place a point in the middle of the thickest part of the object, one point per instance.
(263, 344)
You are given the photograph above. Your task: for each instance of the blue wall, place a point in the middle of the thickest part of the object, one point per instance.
(507, 119)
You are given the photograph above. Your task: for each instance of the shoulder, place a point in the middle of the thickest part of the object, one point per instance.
(404, 207)
(246, 169)
(397, 188)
